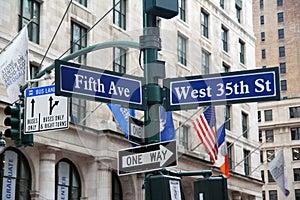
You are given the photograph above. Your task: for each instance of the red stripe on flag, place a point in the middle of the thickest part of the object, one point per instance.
(207, 136)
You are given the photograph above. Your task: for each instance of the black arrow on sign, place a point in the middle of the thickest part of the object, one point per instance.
(32, 107)
(52, 106)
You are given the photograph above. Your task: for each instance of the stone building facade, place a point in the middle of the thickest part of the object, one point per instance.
(207, 37)
(276, 27)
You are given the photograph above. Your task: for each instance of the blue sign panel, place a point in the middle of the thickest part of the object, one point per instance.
(234, 87)
(33, 92)
(75, 80)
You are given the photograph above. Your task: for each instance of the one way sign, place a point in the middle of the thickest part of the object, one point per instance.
(147, 158)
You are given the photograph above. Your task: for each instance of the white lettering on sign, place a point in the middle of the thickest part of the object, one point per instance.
(261, 85)
(162, 155)
(137, 131)
(95, 85)
(88, 83)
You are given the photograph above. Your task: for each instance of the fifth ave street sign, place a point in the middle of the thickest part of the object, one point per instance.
(147, 158)
(74, 80)
(232, 87)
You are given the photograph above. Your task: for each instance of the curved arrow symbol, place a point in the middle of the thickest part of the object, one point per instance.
(162, 155)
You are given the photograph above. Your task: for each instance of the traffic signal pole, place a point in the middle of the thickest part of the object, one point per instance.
(151, 89)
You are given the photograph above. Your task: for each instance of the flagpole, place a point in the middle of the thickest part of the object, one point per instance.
(262, 163)
(16, 35)
(237, 139)
(247, 156)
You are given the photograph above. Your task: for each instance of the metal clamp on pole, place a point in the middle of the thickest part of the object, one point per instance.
(150, 39)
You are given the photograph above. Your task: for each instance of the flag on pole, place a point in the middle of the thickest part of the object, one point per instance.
(204, 126)
(167, 125)
(222, 161)
(277, 169)
(13, 64)
(121, 115)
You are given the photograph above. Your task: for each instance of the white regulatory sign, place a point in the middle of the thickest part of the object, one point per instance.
(44, 111)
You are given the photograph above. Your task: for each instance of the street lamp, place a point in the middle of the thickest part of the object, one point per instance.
(2, 143)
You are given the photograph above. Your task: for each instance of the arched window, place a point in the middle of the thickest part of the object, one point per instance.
(15, 175)
(67, 181)
(116, 187)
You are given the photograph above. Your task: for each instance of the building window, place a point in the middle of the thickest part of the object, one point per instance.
(181, 50)
(296, 174)
(205, 62)
(268, 115)
(294, 112)
(77, 110)
(279, 2)
(270, 155)
(263, 54)
(119, 63)
(182, 8)
(238, 10)
(120, 13)
(259, 116)
(262, 36)
(261, 157)
(282, 68)
(262, 20)
(245, 125)
(280, 34)
(82, 2)
(204, 23)
(116, 187)
(242, 51)
(263, 195)
(28, 10)
(222, 5)
(297, 194)
(295, 133)
(16, 180)
(33, 72)
(225, 39)
(270, 177)
(67, 180)
(280, 17)
(281, 52)
(283, 85)
(273, 195)
(226, 68)
(78, 40)
(246, 162)
(260, 136)
(230, 154)
(269, 136)
(227, 117)
(183, 135)
(261, 4)
(296, 153)
(262, 175)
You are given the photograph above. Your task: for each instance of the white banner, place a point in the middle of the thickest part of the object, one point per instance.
(278, 171)
(13, 64)
(10, 175)
(63, 180)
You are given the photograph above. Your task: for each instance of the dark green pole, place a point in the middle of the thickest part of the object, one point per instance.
(151, 114)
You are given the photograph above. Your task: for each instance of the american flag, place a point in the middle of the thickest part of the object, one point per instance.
(205, 129)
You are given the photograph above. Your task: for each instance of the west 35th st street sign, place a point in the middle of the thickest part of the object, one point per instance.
(232, 87)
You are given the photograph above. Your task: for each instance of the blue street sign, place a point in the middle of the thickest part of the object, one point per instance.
(232, 87)
(74, 80)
